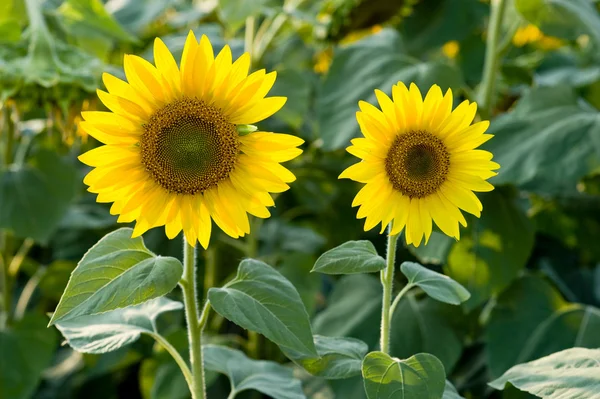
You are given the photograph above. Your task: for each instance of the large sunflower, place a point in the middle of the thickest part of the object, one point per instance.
(173, 154)
(419, 162)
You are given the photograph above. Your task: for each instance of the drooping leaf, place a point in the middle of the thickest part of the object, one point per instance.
(436, 285)
(261, 299)
(112, 330)
(421, 376)
(26, 350)
(450, 392)
(378, 61)
(354, 307)
(531, 320)
(270, 378)
(571, 373)
(493, 249)
(117, 272)
(338, 358)
(349, 258)
(427, 326)
(36, 196)
(548, 143)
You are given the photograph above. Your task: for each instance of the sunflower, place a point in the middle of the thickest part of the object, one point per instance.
(419, 162)
(173, 154)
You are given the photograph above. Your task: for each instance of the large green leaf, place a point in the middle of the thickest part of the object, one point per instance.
(89, 18)
(572, 373)
(338, 358)
(353, 308)
(112, 330)
(26, 349)
(421, 376)
(36, 196)
(531, 320)
(548, 143)
(117, 272)
(427, 326)
(450, 392)
(493, 250)
(261, 299)
(349, 258)
(436, 285)
(270, 378)
(375, 62)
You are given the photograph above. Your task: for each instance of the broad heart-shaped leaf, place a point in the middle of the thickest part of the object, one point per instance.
(450, 392)
(26, 349)
(436, 285)
(493, 250)
(531, 320)
(572, 373)
(339, 357)
(270, 378)
(426, 325)
(262, 300)
(421, 376)
(548, 143)
(35, 197)
(349, 258)
(374, 62)
(117, 272)
(112, 330)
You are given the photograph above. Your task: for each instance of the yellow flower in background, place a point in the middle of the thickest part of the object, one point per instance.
(531, 34)
(419, 162)
(323, 60)
(360, 34)
(173, 154)
(451, 49)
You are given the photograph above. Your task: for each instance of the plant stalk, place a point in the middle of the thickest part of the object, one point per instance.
(492, 56)
(387, 280)
(176, 356)
(194, 326)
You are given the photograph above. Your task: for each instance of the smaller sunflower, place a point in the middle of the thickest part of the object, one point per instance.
(419, 162)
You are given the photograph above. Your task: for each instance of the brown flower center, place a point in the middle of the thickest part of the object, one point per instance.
(417, 163)
(188, 146)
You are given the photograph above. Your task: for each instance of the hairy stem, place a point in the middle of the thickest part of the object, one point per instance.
(404, 290)
(492, 56)
(387, 280)
(190, 300)
(176, 356)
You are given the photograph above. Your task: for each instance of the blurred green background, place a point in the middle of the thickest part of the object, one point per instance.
(531, 262)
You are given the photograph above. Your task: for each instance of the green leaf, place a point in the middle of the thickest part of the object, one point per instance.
(36, 196)
(234, 12)
(493, 249)
(548, 143)
(117, 272)
(450, 392)
(137, 15)
(349, 258)
(270, 378)
(428, 326)
(27, 349)
(531, 320)
(436, 285)
(338, 357)
(435, 251)
(112, 330)
(421, 376)
(353, 308)
(572, 373)
(261, 299)
(379, 61)
(89, 18)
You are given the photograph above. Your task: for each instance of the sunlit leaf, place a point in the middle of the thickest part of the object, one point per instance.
(436, 285)
(349, 258)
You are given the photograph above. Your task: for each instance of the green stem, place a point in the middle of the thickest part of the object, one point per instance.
(249, 37)
(5, 309)
(176, 356)
(387, 280)
(486, 95)
(27, 293)
(190, 300)
(9, 127)
(404, 290)
(17, 260)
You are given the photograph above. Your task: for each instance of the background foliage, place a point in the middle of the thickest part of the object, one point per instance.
(531, 263)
